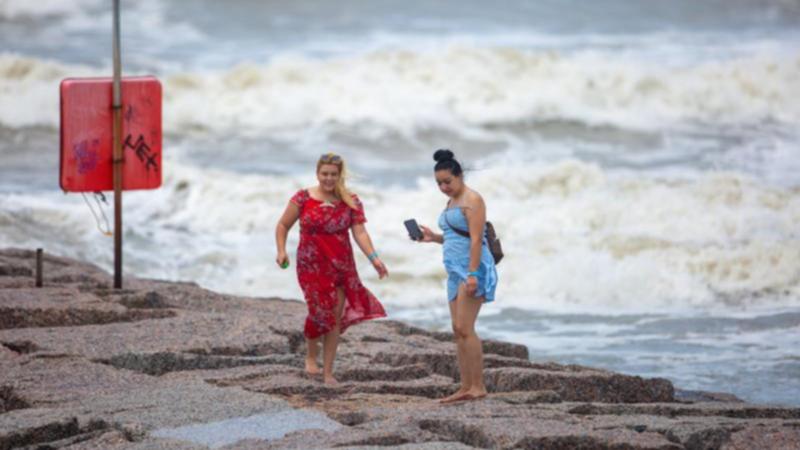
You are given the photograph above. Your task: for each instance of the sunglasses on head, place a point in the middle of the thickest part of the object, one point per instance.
(330, 158)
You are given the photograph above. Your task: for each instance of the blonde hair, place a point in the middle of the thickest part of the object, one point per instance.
(340, 190)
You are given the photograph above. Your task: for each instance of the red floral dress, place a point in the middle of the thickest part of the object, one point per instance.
(325, 262)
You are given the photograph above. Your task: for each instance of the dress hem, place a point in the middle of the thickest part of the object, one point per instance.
(344, 327)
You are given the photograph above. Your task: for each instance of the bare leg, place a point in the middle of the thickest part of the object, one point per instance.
(461, 348)
(331, 341)
(312, 350)
(468, 309)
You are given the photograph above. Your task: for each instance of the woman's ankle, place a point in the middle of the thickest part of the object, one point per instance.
(311, 366)
(328, 378)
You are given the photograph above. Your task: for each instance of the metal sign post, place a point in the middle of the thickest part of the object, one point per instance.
(118, 159)
(89, 144)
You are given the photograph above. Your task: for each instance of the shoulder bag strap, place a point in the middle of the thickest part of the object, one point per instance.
(460, 232)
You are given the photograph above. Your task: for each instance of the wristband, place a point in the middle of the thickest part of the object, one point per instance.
(473, 274)
(371, 257)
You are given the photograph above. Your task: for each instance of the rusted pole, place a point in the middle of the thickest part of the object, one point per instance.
(118, 159)
(39, 267)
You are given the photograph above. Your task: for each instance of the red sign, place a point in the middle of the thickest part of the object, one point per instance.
(86, 134)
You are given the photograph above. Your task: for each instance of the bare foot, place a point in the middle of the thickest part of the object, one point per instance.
(311, 367)
(329, 380)
(473, 394)
(453, 397)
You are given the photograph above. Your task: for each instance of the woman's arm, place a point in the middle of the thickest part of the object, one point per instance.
(365, 243)
(476, 219)
(285, 223)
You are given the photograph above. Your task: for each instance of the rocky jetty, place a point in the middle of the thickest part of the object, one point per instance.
(166, 365)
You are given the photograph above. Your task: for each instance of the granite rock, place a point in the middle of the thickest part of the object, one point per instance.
(85, 366)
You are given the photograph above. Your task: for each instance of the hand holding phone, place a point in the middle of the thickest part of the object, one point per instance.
(414, 232)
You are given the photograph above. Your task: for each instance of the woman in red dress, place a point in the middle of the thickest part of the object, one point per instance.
(326, 268)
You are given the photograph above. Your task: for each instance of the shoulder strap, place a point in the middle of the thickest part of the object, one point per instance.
(460, 232)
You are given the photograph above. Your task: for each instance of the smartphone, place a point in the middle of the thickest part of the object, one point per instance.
(414, 232)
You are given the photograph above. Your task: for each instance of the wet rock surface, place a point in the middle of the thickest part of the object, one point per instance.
(86, 366)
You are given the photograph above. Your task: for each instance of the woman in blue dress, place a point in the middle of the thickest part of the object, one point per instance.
(471, 273)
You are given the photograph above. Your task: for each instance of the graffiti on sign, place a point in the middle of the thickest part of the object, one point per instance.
(129, 114)
(86, 155)
(142, 151)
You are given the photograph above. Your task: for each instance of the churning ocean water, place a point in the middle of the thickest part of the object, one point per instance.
(639, 159)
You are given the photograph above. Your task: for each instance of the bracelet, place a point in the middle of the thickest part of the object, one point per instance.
(371, 257)
(473, 274)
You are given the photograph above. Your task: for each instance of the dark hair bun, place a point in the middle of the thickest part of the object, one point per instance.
(443, 154)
